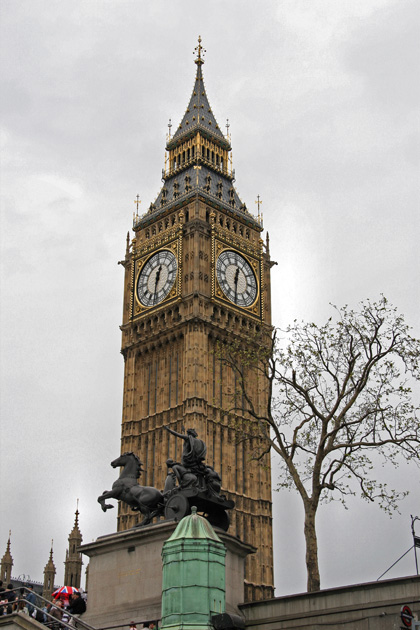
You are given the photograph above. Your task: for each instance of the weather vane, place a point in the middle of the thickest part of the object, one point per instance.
(199, 49)
(227, 127)
(259, 202)
(137, 202)
(169, 127)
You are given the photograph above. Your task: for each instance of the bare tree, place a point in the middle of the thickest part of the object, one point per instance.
(335, 397)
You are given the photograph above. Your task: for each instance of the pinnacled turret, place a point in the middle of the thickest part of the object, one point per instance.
(6, 564)
(73, 562)
(49, 576)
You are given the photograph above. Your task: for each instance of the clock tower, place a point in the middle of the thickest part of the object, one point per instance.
(197, 274)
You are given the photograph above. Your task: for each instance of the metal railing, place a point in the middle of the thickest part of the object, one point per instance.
(21, 602)
(52, 622)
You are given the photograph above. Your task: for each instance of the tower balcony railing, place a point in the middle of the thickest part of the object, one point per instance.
(222, 169)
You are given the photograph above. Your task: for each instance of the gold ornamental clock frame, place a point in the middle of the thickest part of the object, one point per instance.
(254, 259)
(138, 309)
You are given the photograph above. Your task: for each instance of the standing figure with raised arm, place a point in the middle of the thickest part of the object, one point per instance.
(194, 450)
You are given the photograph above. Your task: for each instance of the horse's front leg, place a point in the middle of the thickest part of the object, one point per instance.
(107, 494)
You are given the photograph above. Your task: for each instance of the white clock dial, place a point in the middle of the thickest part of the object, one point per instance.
(156, 278)
(236, 278)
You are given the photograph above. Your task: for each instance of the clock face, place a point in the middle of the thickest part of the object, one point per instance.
(236, 278)
(156, 278)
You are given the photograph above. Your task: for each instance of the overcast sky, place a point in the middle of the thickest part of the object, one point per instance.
(322, 98)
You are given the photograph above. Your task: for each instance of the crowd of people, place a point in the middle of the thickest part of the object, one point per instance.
(54, 614)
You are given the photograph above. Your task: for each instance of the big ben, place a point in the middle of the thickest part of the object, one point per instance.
(196, 274)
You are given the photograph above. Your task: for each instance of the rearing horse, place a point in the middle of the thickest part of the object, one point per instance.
(144, 499)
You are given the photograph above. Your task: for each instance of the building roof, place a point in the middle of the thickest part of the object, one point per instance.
(198, 174)
(199, 115)
(194, 526)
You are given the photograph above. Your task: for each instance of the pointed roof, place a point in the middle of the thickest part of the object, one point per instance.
(76, 533)
(199, 115)
(201, 177)
(50, 566)
(194, 526)
(7, 558)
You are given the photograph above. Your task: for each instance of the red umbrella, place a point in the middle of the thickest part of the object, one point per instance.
(65, 592)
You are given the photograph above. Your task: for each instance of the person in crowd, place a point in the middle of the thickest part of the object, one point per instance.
(3, 600)
(56, 611)
(77, 605)
(45, 609)
(30, 600)
(20, 602)
(11, 597)
(65, 614)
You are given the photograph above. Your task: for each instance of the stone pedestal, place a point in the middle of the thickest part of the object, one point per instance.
(125, 574)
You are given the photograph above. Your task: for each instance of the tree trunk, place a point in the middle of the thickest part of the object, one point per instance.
(314, 581)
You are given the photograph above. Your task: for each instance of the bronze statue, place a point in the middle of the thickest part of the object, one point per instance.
(189, 483)
(194, 450)
(144, 499)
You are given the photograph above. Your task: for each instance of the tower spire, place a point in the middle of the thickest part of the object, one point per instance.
(6, 563)
(49, 575)
(73, 562)
(198, 158)
(199, 115)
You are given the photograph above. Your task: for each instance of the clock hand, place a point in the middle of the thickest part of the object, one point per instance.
(157, 281)
(235, 280)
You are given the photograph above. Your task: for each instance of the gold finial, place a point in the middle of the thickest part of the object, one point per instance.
(169, 129)
(76, 519)
(197, 168)
(138, 202)
(259, 202)
(227, 127)
(199, 49)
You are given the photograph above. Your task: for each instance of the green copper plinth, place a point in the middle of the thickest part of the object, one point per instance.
(193, 585)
